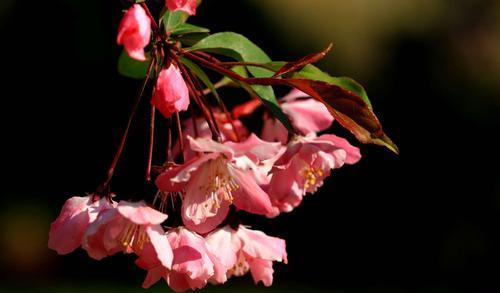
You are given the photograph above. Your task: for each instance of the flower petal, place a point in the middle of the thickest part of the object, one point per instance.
(140, 214)
(249, 196)
(258, 245)
(210, 223)
(353, 153)
(67, 231)
(261, 270)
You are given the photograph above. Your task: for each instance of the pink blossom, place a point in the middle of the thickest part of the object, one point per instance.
(192, 266)
(188, 6)
(134, 32)
(306, 115)
(130, 227)
(170, 93)
(246, 250)
(66, 232)
(303, 167)
(221, 175)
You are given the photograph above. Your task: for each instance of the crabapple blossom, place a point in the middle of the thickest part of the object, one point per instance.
(130, 227)
(303, 167)
(66, 232)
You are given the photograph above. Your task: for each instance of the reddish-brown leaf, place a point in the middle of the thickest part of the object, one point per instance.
(350, 110)
(296, 65)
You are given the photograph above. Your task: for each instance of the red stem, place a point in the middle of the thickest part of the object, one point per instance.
(179, 133)
(151, 144)
(169, 141)
(104, 186)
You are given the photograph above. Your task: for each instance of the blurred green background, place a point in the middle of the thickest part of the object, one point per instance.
(427, 221)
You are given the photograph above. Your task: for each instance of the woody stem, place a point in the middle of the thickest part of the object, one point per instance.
(104, 186)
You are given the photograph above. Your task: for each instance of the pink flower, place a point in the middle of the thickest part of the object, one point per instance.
(306, 115)
(303, 167)
(130, 227)
(188, 6)
(170, 93)
(134, 32)
(66, 232)
(192, 265)
(220, 176)
(246, 250)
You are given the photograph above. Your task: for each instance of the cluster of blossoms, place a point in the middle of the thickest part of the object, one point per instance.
(216, 169)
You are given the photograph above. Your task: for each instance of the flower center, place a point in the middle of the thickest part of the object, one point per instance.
(311, 176)
(220, 184)
(240, 268)
(133, 237)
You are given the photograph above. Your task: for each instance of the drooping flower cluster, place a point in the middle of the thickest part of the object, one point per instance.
(218, 168)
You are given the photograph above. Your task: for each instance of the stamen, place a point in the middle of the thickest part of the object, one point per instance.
(312, 176)
(133, 237)
(162, 198)
(220, 184)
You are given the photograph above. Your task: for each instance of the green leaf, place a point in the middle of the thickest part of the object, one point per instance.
(132, 68)
(235, 46)
(172, 20)
(186, 28)
(314, 73)
(190, 39)
(240, 48)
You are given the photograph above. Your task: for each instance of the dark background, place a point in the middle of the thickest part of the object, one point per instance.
(426, 221)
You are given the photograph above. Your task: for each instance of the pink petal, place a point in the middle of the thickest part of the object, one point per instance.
(284, 190)
(223, 246)
(207, 145)
(153, 276)
(262, 150)
(353, 153)
(157, 251)
(180, 282)
(174, 180)
(93, 240)
(249, 196)
(308, 115)
(188, 6)
(67, 231)
(262, 271)
(210, 223)
(190, 254)
(140, 214)
(258, 245)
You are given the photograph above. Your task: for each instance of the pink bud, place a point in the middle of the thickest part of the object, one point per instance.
(134, 32)
(188, 6)
(171, 93)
